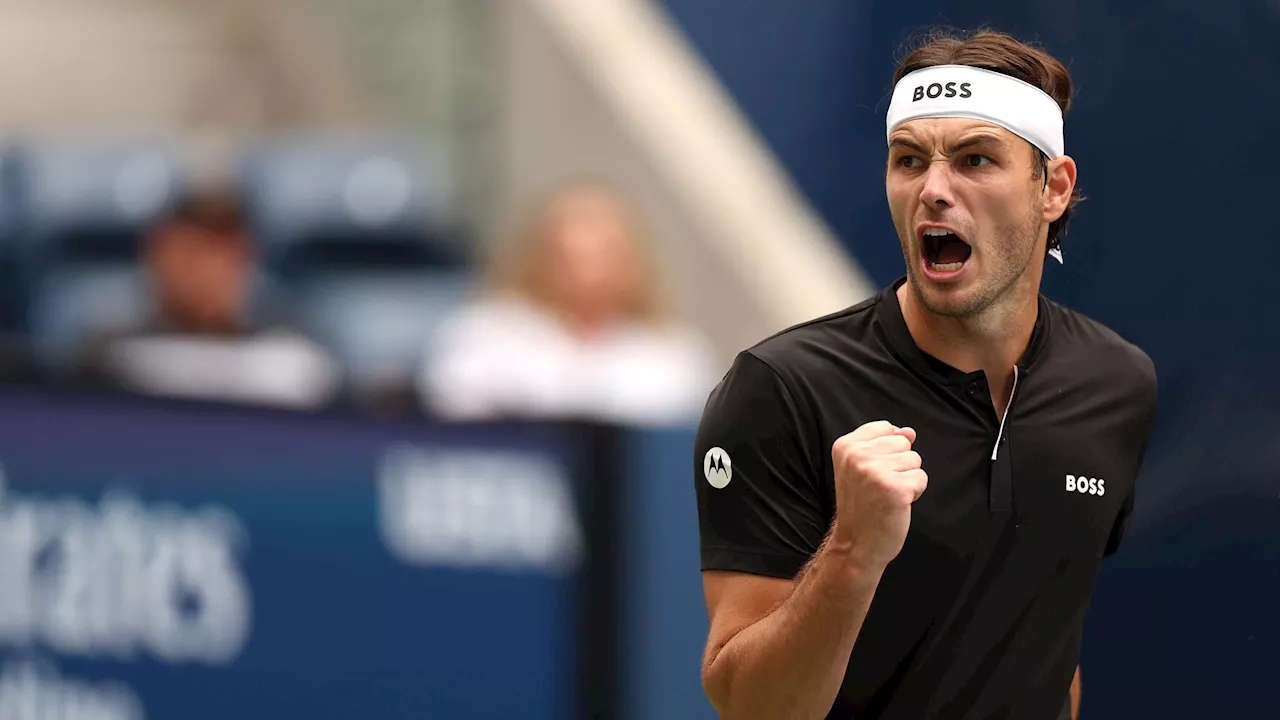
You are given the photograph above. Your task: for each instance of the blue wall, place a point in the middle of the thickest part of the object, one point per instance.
(662, 598)
(1173, 129)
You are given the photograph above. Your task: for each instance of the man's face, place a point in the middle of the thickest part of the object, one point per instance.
(201, 276)
(969, 211)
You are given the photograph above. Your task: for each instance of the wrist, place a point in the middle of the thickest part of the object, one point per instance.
(853, 558)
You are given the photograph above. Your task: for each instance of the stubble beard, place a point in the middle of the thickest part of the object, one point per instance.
(1005, 263)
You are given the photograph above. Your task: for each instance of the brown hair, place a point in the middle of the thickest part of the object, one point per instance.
(997, 51)
(516, 268)
(217, 210)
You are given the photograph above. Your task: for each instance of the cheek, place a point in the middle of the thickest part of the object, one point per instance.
(901, 203)
(898, 194)
(998, 213)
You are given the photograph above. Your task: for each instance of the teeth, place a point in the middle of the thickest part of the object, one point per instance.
(936, 231)
(946, 267)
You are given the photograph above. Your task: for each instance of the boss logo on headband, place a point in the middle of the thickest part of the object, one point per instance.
(936, 90)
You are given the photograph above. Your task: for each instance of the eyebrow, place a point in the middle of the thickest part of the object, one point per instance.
(966, 144)
(976, 141)
(907, 143)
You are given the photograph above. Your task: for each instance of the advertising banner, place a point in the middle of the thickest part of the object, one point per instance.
(166, 560)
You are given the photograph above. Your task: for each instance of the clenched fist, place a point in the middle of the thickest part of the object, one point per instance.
(877, 477)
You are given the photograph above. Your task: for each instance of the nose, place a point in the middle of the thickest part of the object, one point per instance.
(937, 193)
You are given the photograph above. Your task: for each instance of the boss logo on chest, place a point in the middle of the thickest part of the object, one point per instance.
(1086, 485)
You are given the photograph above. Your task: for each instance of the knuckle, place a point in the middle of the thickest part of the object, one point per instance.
(874, 429)
(885, 445)
(864, 467)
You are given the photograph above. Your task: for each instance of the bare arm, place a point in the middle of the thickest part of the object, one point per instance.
(779, 648)
(1075, 695)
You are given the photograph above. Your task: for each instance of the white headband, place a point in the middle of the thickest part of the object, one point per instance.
(968, 92)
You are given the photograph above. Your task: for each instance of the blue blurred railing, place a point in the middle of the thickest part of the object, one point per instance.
(164, 560)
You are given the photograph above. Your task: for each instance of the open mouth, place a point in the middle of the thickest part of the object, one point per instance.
(944, 251)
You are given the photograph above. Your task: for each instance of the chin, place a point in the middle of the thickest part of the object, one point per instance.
(949, 299)
(947, 305)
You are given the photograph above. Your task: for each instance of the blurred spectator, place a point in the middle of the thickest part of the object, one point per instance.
(572, 324)
(201, 341)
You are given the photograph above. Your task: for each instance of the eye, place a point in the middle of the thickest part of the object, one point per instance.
(977, 160)
(910, 161)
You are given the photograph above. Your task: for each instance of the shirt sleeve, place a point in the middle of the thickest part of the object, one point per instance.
(1149, 400)
(1121, 525)
(762, 508)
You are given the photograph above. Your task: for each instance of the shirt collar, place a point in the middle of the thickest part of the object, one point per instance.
(889, 314)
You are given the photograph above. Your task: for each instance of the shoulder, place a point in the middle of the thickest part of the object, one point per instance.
(1084, 342)
(673, 338)
(496, 323)
(774, 387)
(494, 312)
(286, 338)
(1077, 332)
(817, 345)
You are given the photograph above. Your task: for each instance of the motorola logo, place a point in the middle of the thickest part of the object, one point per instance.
(717, 467)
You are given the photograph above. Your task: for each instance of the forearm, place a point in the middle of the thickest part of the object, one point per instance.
(1075, 695)
(790, 663)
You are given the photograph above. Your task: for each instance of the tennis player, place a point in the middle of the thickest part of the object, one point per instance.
(904, 505)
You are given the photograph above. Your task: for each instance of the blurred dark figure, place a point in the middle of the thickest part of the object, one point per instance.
(573, 324)
(201, 340)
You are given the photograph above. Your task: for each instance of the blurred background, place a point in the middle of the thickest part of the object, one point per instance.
(351, 349)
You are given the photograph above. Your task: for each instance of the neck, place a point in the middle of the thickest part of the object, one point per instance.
(583, 324)
(992, 341)
(175, 320)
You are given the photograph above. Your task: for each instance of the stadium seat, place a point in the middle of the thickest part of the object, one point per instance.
(79, 207)
(358, 235)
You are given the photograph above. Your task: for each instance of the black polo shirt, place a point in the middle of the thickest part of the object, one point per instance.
(981, 614)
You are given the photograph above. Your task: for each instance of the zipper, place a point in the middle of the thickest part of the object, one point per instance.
(995, 451)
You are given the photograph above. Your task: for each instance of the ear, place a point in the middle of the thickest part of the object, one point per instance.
(1060, 185)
